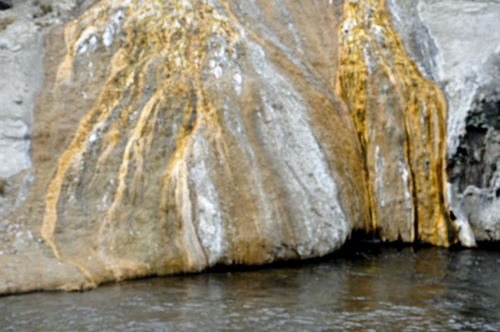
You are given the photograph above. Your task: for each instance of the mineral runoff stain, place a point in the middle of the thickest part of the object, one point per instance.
(400, 118)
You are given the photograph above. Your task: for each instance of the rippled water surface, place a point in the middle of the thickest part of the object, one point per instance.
(370, 288)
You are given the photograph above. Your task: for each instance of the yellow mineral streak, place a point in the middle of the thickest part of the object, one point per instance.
(373, 65)
(170, 39)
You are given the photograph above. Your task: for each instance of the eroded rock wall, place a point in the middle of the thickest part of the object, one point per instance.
(170, 136)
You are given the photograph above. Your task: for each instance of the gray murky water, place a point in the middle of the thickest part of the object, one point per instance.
(369, 289)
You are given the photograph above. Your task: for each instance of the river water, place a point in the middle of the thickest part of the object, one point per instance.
(364, 287)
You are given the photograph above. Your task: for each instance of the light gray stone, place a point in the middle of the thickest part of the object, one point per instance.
(21, 77)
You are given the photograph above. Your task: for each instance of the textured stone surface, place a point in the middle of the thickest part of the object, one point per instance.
(464, 59)
(170, 136)
(400, 120)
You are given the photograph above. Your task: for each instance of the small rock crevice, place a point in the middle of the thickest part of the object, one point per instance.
(477, 159)
(474, 170)
(5, 4)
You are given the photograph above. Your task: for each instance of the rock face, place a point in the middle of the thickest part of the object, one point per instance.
(170, 136)
(464, 59)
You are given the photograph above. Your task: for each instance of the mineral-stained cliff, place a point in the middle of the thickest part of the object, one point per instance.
(173, 135)
(456, 44)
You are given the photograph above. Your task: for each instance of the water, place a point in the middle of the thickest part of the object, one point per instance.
(361, 288)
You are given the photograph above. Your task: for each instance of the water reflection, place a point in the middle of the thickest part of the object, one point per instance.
(369, 289)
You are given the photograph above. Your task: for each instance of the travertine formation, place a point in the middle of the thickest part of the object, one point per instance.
(174, 135)
(464, 59)
(400, 120)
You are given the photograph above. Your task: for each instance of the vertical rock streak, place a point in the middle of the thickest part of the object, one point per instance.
(400, 121)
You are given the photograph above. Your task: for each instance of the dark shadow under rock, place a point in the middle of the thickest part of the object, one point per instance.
(472, 164)
(5, 4)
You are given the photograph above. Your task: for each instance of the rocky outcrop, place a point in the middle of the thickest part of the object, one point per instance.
(170, 136)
